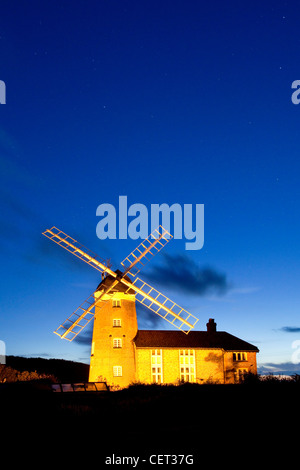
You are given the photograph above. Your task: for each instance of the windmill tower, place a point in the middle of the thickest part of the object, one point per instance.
(112, 306)
(115, 327)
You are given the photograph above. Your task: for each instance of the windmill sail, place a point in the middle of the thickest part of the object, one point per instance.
(146, 250)
(72, 245)
(163, 306)
(75, 323)
(78, 320)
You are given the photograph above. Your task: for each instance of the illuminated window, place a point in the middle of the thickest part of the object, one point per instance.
(117, 371)
(116, 322)
(239, 374)
(187, 365)
(116, 303)
(156, 366)
(239, 356)
(117, 343)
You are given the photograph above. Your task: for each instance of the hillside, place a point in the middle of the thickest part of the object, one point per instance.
(57, 370)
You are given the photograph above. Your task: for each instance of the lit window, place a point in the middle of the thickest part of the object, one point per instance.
(116, 322)
(116, 303)
(239, 356)
(117, 371)
(187, 365)
(156, 366)
(240, 374)
(117, 343)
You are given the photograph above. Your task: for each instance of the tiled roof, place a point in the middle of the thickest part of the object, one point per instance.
(194, 339)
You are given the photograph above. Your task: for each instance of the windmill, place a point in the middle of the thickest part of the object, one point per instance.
(112, 283)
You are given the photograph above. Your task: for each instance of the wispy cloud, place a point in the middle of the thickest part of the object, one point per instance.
(283, 368)
(148, 319)
(182, 273)
(16, 217)
(244, 290)
(11, 168)
(290, 329)
(22, 227)
(84, 338)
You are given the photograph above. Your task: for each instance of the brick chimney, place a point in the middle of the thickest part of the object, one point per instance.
(211, 326)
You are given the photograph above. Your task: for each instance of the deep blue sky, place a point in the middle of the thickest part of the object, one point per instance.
(165, 102)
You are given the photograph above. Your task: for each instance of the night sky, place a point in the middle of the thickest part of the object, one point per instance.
(184, 102)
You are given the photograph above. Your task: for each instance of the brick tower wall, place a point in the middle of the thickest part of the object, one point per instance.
(104, 356)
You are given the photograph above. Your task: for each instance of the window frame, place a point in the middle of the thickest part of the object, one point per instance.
(117, 343)
(187, 365)
(239, 356)
(240, 373)
(117, 371)
(156, 366)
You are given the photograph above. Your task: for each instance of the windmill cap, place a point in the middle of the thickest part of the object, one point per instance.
(120, 287)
